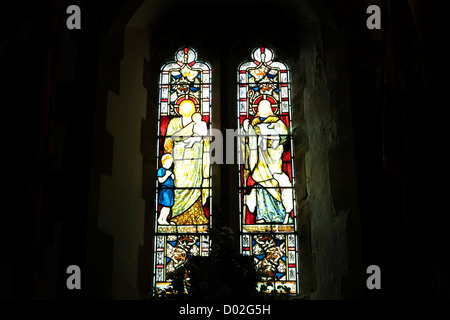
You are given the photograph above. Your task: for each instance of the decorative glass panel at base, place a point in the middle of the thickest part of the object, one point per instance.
(172, 251)
(275, 256)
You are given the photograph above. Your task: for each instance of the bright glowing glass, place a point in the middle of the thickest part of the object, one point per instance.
(266, 173)
(183, 198)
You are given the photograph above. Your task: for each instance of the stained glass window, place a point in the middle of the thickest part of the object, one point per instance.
(183, 214)
(266, 169)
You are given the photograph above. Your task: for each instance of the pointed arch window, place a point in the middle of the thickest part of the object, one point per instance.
(183, 214)
(266, 170)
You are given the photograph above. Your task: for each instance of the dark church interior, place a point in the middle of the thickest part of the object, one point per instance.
(368, 103)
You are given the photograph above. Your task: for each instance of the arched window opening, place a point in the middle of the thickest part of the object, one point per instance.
(266, 170)
(183, 214)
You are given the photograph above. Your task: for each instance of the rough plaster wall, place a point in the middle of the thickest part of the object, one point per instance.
(121, 208)
(328, 230)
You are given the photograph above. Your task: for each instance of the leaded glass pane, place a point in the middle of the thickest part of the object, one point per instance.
(183, 196)
(266, 176)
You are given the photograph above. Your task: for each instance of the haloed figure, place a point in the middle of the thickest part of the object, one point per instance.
(271, 195)
(191, 165)
(166, 194)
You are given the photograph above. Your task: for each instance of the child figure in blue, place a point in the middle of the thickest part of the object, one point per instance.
(166, 193)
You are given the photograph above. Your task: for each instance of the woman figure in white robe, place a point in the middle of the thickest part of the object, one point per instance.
(191, 167)
(271, 195)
